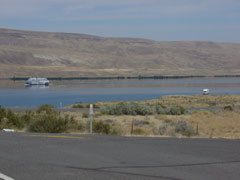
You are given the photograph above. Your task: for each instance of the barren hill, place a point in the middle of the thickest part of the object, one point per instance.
(27, 53)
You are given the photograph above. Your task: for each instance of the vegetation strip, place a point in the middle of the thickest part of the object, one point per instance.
(52, 136)
(165, 116)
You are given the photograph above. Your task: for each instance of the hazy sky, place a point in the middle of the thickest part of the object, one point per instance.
(164, 20)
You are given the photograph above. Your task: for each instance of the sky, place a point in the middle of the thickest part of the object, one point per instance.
(161, 20)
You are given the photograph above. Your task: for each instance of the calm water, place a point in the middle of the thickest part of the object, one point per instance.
(15, 94)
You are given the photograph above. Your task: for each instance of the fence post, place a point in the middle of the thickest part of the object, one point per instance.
(91, 117)
(197, 129)
(132, 127)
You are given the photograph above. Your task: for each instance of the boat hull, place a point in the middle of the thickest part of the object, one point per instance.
(37, 82)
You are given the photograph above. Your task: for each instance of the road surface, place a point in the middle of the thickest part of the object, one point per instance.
(25, 156)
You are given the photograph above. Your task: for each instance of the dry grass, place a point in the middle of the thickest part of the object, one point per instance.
(191, 101)
(197, 101)
(220, 124)
(211, 124)
(121, 123)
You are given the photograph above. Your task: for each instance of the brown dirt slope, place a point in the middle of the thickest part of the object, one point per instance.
(27, 53)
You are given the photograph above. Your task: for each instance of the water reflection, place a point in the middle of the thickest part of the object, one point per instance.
(31, 87)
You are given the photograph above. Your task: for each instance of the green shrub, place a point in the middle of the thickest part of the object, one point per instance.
(176, 127)
(105, 127)
(27, 117)
(3, 123)
(228, 108)
(9, 119)
(128, 109)
(101, 127)
(78, 106)
(14, 120)
(80, 126)
(175, 110)
(85, 106)
(183, 128)
(46, 119)
(163, 129)
(160, 109)
(140, 109)
(111, 110)
(144, 110)
(45, 108)
(2, 112)
(49, 123)
(85, 115)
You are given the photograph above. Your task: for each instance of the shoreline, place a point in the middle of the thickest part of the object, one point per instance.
(140, 77)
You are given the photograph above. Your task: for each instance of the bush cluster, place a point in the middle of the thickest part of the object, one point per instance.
(45, 119)
(176, 127)
(127, 109)
(140, 109)
(228, 108)
(174, 110)
(85, 115)
(85, 106)
(104, 127)
(101, 127)
(8, 119)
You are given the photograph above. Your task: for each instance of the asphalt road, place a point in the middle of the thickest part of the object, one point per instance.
(26, 156)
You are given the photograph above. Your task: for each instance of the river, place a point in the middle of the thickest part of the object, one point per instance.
(63, 93)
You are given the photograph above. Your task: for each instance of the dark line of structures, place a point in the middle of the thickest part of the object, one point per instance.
(125, 77)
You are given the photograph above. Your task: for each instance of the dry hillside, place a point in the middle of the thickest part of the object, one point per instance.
(27, 53)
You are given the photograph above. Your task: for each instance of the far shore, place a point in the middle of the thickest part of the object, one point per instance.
(16, 78)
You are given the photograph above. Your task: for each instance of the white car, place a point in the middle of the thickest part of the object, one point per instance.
(205, 91)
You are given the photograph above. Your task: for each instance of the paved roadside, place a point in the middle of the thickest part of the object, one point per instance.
(26, 156)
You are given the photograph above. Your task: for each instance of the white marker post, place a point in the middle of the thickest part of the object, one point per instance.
(91, 117)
